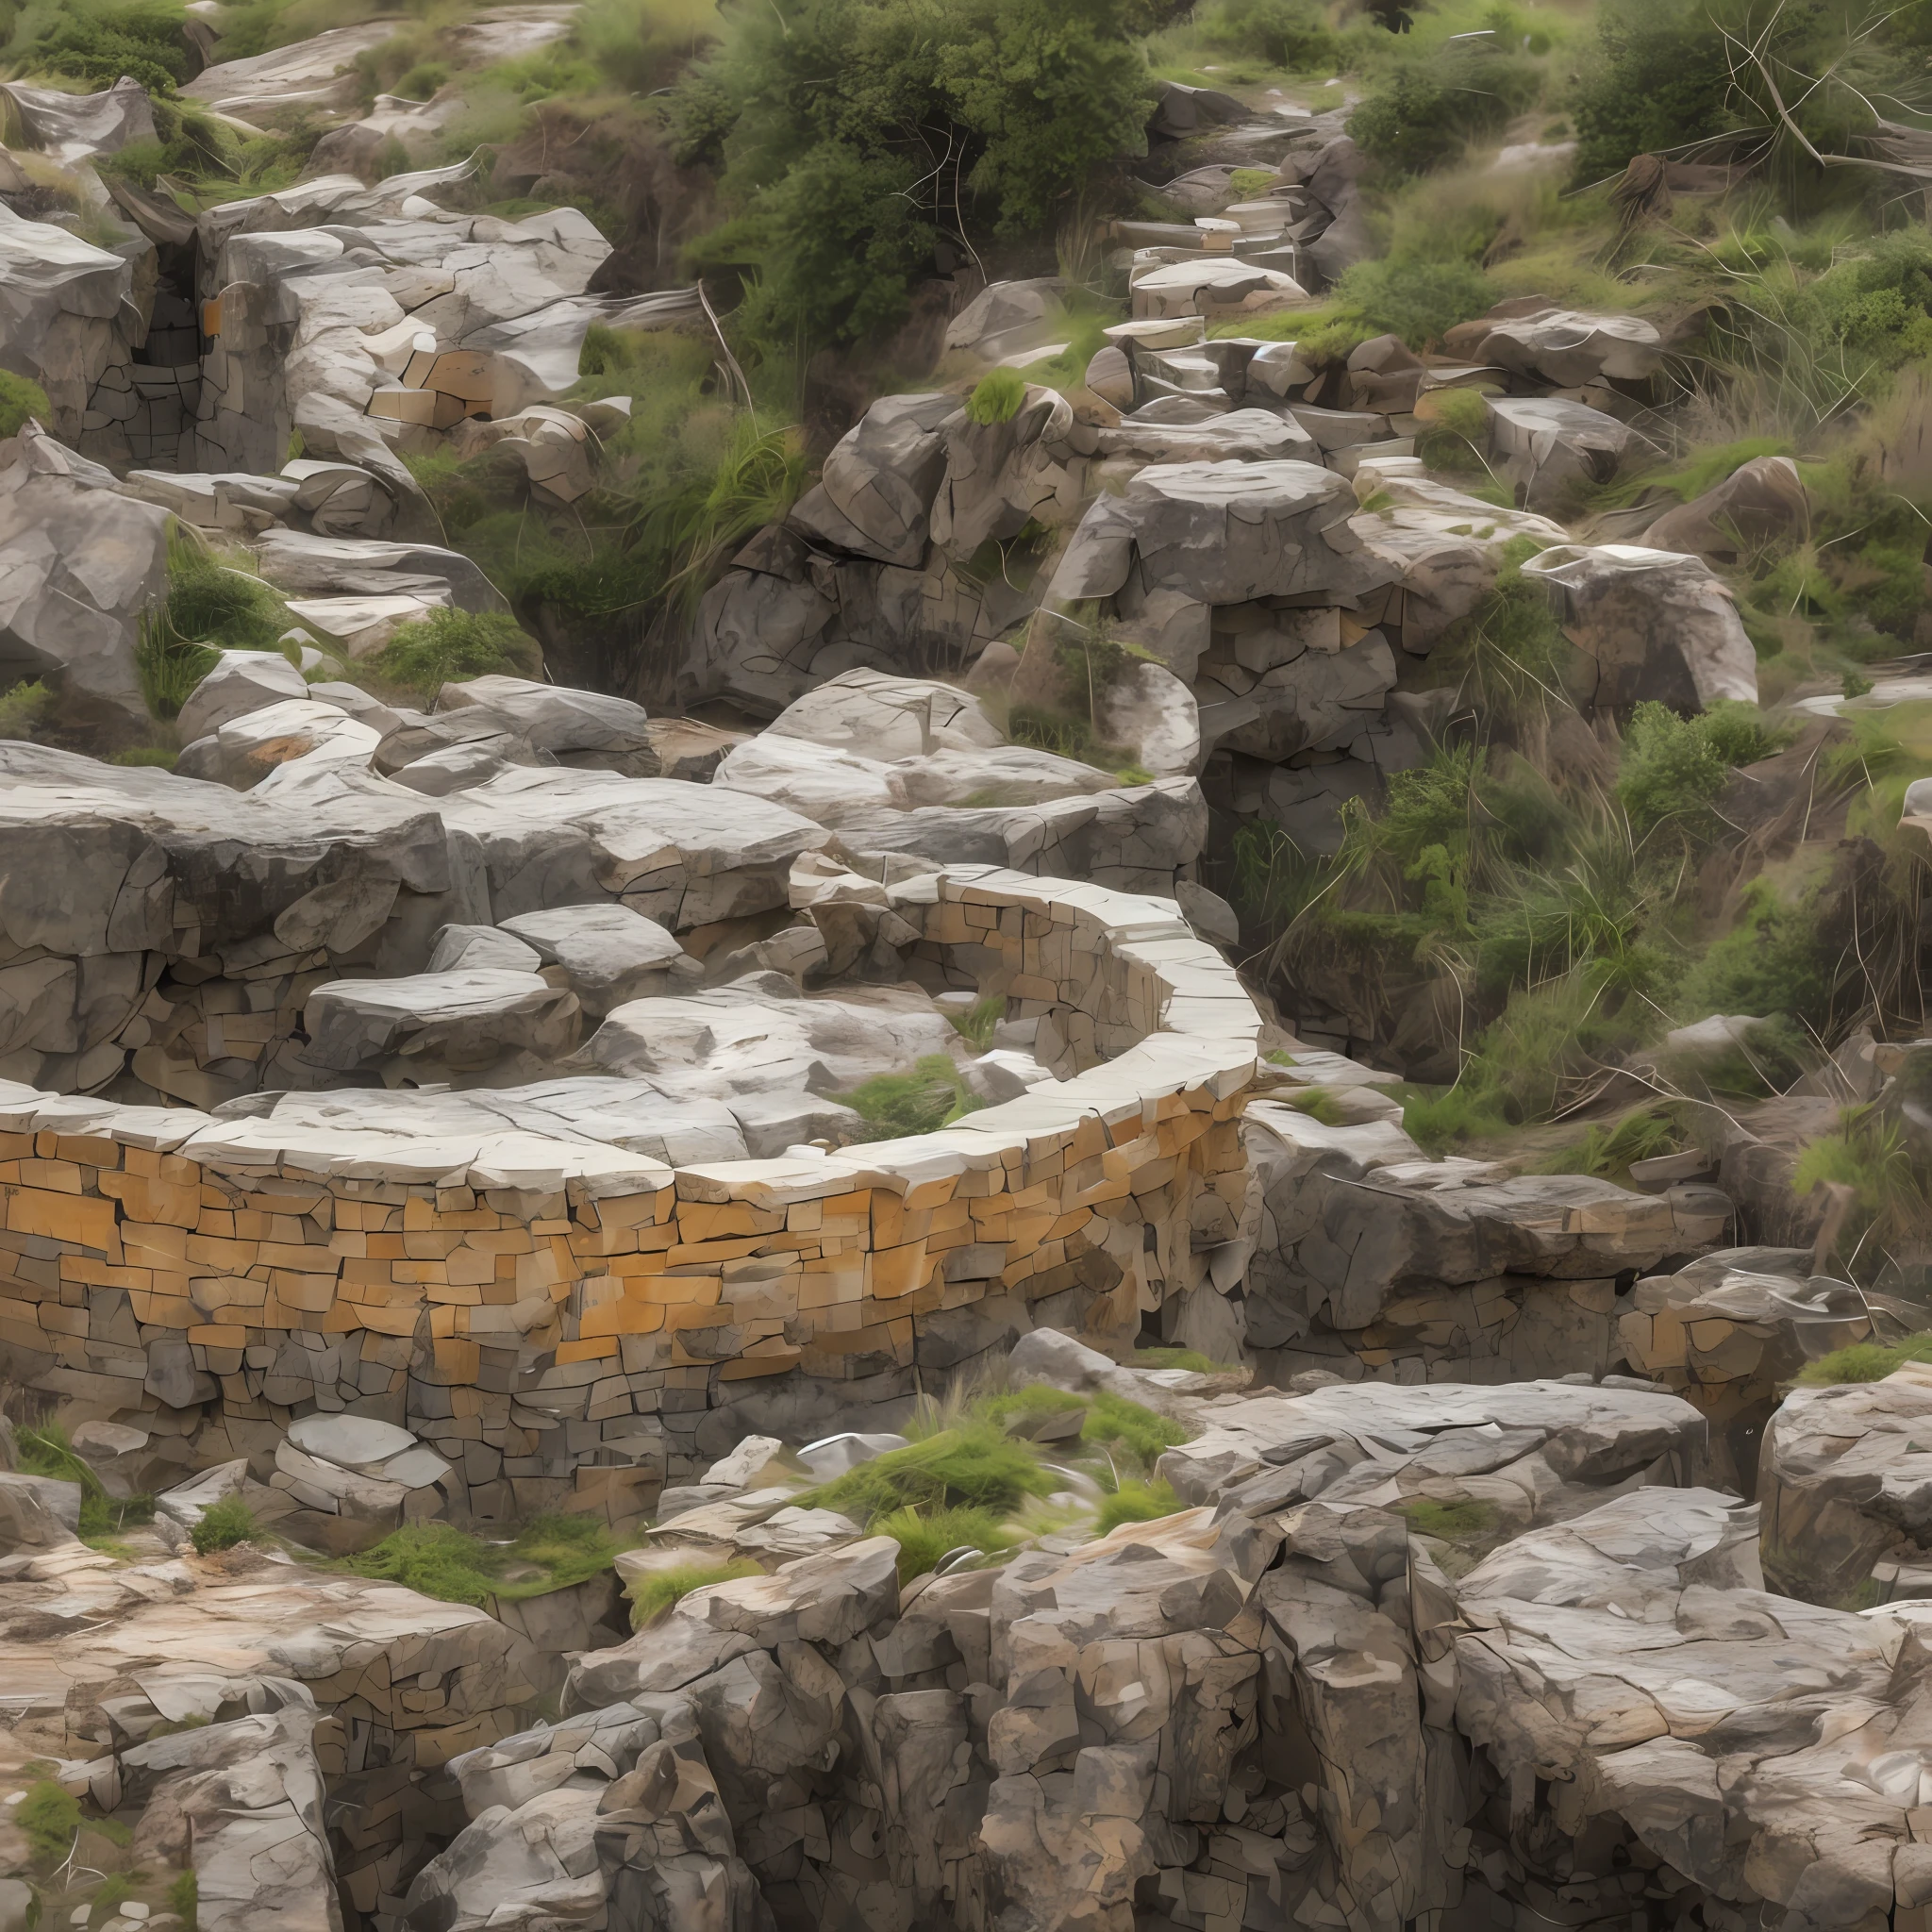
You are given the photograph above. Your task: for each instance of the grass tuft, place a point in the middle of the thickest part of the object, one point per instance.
(440, 1560)
(896, 1106)
(1135, 1502)
(653, 1595)
(222, 1525)
(1865, 1361)
(50, 1816)
(996, 397)
(926, 1536)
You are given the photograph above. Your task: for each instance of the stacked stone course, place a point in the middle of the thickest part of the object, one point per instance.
(560, 1319)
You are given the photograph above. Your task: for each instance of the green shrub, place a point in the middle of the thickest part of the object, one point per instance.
(423, 80)
(107, 1896)
(1113, 1423)
(1865, 1361)
(1662, 78)
(222, 1525)
(440, 1560)
(1135, 1503)
(1417, 298)
(1426, 111)
(972, 1465)
(1293, 34)
(925, 1536)
(996, 397)
(653, 1593)
(99, 41)
(976, 1026)
(153, 755)
(895, 1105)
(449, 646)
(836, 212)
(22, 401)
(1450, 1522)
(184, 1898)
(22, 708)
(1189, 1358)
(1674, 769)
(50, 1816)
(1773, 960)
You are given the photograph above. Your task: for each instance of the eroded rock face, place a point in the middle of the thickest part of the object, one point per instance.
(1647, 625)
(68, 322)
(1732, 1330)
(79, 563)
(1640, 1589)
(1366, 1247)
(1287, 1699)
(1845, 1480)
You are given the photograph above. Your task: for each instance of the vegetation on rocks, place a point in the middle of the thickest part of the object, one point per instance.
(549, 1552)
(656, 1593)
(21, 401)
(224, 1525)
(451, 646)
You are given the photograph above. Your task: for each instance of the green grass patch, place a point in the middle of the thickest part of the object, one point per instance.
(996, 397)
(184, 1898)
(896, 1106)
(1463, 1521)
(224, 1525)
(926, 1536)
(449, 646)
(22, 401)
(437, 1559)
(1135, 1502)
(105, 1901)
(1025, 1405)
(50, 1816)
(1606, 1150)
(1115, 1423)
(210, 605)
(1865, 1361)
(976, 1025)
(1318, 1104)
(974, 1464)
(1190, 1359)
(653, 1594)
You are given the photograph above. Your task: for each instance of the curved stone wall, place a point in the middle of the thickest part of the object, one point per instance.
(568, 1324)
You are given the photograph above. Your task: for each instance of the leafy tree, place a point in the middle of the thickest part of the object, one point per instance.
(1661, 79)
(1424, 115)
(855, 133)
(1285, 33)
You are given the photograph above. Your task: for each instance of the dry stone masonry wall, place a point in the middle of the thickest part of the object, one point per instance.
(567, 1321)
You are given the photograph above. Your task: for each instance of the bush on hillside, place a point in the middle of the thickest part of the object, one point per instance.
(21, 401)
(450, 645)
(1424, 115)
(858, 134)
(1293, 34)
